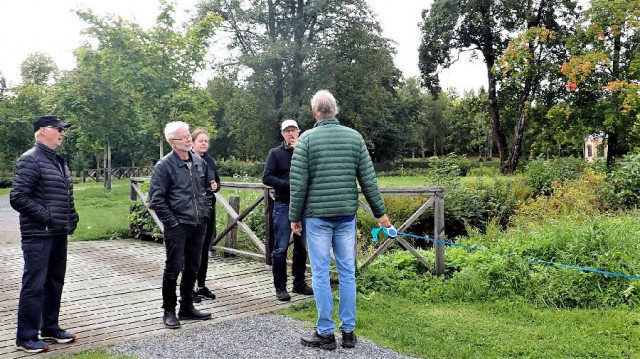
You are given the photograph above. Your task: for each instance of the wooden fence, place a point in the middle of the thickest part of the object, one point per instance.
(235, 221)
(97, 174)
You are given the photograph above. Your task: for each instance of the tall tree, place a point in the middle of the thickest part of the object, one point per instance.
(604, 71)
(486, 27)
(292, 48)
(38, 68)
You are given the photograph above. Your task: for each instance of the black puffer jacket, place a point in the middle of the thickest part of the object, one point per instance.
(42, 192)
(180, 195)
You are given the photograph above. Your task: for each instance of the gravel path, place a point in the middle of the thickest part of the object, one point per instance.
(260, 336)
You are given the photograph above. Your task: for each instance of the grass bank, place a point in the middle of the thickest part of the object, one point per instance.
(490, 330)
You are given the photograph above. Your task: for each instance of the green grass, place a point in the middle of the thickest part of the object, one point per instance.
(490, 330)
(103, 213)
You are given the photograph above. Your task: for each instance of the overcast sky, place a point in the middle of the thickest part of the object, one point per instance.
(50, 27)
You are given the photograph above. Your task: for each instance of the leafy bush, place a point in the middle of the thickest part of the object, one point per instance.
(449, 165)
(510, 270)
(541, 173)
(581, 197)
(236, 168)
(625, 182)
(6, 181)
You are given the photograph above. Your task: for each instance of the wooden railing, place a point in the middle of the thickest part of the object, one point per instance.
(97, 174)
(264, 246)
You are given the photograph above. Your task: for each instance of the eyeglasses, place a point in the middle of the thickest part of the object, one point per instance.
(60, 129)
(185, 138)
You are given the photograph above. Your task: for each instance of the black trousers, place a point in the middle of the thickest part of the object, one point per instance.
(204, 257)
(183, 244)
(45, 265)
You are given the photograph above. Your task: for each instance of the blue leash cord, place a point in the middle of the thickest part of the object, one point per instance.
(375, 231)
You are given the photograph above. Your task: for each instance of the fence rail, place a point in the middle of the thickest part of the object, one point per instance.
(264, 246)
(96, 174)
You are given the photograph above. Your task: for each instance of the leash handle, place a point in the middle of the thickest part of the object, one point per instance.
(390, 232)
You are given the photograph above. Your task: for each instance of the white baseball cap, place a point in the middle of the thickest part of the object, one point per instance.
(288, 123)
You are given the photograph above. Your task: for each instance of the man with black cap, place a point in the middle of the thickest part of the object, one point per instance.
(42, 193)
(276, 175)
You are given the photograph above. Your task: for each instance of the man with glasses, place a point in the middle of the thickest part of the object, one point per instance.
(276, 175)
(42, 193)
(180, 194)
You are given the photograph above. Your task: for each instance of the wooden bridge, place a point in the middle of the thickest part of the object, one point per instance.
(113, 290)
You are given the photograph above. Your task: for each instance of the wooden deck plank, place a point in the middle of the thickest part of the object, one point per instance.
(113, 293)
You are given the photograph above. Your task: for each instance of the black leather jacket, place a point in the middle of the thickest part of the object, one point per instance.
(180, 195)
(42, 192)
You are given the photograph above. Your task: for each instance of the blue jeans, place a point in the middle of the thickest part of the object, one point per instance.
(281, 234)
(322, 234)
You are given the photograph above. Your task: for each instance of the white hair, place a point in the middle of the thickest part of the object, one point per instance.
(172, 127)
(324, 103)
(36, 134)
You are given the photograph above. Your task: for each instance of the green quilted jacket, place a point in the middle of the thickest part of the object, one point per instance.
(325, 165)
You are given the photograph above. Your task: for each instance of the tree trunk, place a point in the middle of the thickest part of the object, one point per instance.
(161, 146)
(107, 172)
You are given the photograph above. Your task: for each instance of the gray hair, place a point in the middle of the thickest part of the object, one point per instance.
(324, 103)
(36, 134)
(172, 127)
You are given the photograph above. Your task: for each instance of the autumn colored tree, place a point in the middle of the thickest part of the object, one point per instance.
(516, 40)
(603, 73)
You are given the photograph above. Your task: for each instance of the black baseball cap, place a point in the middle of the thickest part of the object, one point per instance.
(49, 121)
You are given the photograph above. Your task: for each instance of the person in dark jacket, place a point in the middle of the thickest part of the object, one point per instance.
(180, 194)
(200, 147)
(327, 162)
(42, 192)
(276, 175)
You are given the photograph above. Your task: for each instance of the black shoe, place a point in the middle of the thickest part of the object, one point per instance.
(196, 297)
(170, 320)
(192, 313)
(205, 292)
(326, 342)
(349, 340)
(303, 289)
(282, 294)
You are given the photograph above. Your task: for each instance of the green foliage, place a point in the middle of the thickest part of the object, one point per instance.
(509, 270)
(237, 168)
(624, 178)
(540, 174)
(6, 181)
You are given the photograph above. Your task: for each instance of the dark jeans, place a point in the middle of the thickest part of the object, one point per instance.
(45, 264)
(281, 234)
(204, 257)
(183, 244)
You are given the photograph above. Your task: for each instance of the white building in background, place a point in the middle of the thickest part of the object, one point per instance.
(595, 147)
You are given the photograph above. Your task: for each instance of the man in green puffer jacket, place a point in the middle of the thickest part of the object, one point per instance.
(326, 163)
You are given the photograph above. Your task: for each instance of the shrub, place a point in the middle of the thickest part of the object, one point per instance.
(624, 178)
(236, 168)
(509, 269)
(6, 181)
(540, 173)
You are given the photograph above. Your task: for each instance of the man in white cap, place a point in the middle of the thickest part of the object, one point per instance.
(276, 175)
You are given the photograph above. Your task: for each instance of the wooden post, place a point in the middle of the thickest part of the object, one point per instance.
(132, 191)
(214, 230)
(268, 226)
(232, 237)
(84, 176)
(438, 228)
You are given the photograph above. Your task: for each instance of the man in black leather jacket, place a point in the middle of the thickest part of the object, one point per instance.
(42, 192)
(180, 194)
